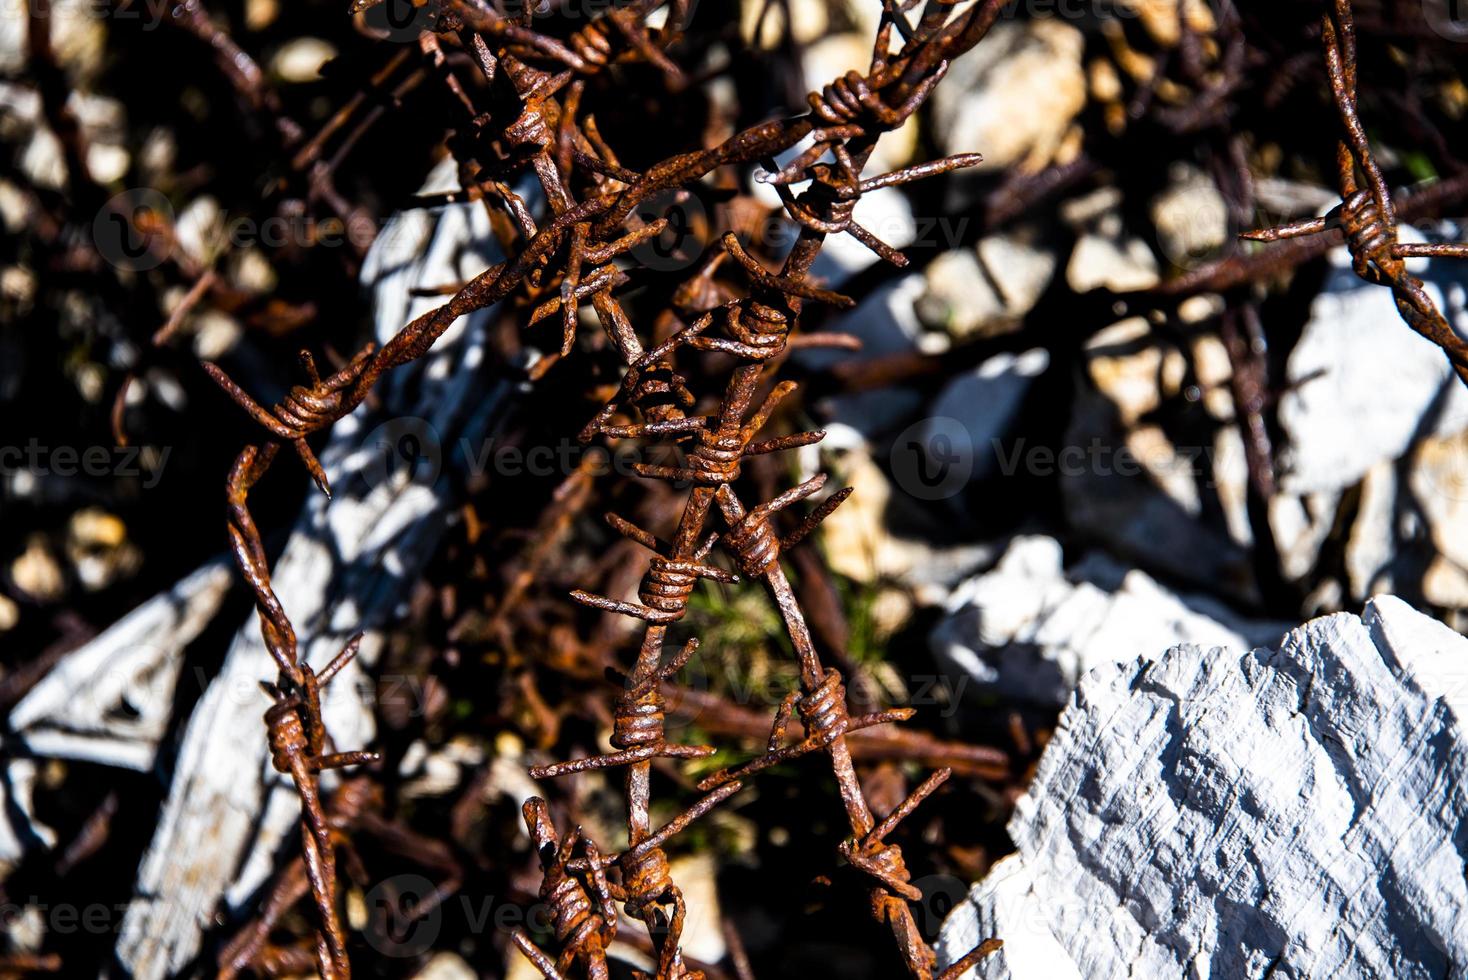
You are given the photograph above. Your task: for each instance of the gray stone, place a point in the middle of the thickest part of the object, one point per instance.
(1297, 812)
(1014, 97)
(1030, 629)
(1361, 386)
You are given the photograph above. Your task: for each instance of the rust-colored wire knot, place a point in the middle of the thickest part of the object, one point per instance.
(718, 445)
(647, 889)
(531, 132)
(851, 99)
(298, 749)
(305, 409)
(638, 725)
(297, 733)
(1366, 214)
(753, 541)
(823, 713)
(583, 927)
(596, 47)
(758, 332)
(872, 854)
(1372, 239)
(652, 386)
(669, 581)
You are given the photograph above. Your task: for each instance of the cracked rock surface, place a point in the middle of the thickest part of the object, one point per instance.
(1296, 812)
(1029, 628)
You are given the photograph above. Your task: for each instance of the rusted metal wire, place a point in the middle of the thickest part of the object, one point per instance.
(593, 218)
(757, 327)
(1367, 213)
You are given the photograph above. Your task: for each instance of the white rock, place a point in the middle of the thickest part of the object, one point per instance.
(427, 773)
(103, 124)
(1361, 386)
(110, 700)
(1408, 527)
(98, 548)
(1031, 629)
(1014, 97)
(1191, 217)
(37, 573)
(974, 411)
(1160, 17)
(78, 36)
(1173, 502)
(1438, 483)
(19, 828)
(859, 540)
(886, 323)
(762, 24)
(1301, 526)
(980, 292)
(956, 299)
(300, 60)
(343, 569)
(1289, 813)
(1112, 260)
(447, 966)
(201, 230)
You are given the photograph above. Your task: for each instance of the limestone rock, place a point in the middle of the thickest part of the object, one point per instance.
(37, 573)
(860, 538)
(98, 548)
(300, 60)
(1297, 812)
(1109, 259)
(762, 24)
(109, 701)
(1031, 629)
(1160, 17)
(1191, 217)
(1014, 97)
(1146, 469)
(971, 415)
(78, 32)
(447, 966)
(981, 292)
(1361, 386)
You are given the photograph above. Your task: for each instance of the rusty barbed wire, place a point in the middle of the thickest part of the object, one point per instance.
(1367, 213)
(757, 330)
(559, 266)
